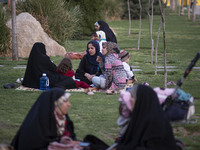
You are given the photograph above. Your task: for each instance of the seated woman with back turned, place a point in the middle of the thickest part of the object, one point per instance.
(144, 126)
(47, 125)
(39, 63)
(88, 66)
(148, 127)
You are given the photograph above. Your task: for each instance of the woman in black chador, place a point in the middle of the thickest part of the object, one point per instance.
(144, 126)
(101, 25)
(47, 125)
(39, 63)
(148, 127)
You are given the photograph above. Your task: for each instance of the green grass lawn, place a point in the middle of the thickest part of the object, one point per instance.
(97, 114)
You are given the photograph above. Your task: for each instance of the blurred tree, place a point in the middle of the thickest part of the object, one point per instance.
(58, 19)
(129, 17)
(194, 11)
(150, 15)
(189, 5)
(139, 35)
(182, 8)
(5, 38)
(135, 9)
(92, 11)
(113, 9)
(14, 31)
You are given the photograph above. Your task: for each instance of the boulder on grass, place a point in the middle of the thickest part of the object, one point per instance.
(29, 31)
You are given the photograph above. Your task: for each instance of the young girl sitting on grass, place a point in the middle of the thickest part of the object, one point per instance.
(65, 68)
(124, 55)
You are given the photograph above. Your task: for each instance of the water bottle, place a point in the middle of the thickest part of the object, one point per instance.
(44, 82)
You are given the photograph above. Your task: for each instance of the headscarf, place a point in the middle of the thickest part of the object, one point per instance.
(92, 59)
(110, 36)
(39, 127)
(149, 127)
(101, 35)
(39, 63)
(111, 47)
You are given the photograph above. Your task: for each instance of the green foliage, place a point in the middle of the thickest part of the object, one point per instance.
(92, 11)
(113, 9)
(97, 114)
(58, 19)
(135, 9)
(4, 31)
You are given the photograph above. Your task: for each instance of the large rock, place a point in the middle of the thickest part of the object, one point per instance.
(29, 31)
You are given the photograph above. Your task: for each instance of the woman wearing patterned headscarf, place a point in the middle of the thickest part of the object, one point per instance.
(47, 125)
(88, 66)
(113, 72)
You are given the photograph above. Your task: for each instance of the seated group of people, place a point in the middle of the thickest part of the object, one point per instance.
(144, 125)
(101, 69)
(47, 126)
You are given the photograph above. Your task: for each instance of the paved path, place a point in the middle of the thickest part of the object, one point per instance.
(135, 68)
(20, 67)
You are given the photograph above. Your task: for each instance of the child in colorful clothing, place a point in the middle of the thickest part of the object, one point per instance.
(65, 69)
(101, 38)
(124, 55)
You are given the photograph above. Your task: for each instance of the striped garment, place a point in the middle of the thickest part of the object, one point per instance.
(114, 72)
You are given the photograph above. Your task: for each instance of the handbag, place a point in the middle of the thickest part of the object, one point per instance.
(178, 110)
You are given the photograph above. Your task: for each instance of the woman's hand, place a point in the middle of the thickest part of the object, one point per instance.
(89, 76)
(99, 59)
(68, 140)
(76, 144)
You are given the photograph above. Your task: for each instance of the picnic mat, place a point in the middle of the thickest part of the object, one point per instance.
(21, 87)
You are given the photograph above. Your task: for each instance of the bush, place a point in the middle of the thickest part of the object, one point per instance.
(113, 9)
(135, 9)
(4, 32)
(59, 21)
(92, 11)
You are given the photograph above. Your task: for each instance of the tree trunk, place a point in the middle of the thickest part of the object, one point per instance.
(194, 11)
(182, 8)
(179, 9)
(152, 41)
(199, 19)
(140, 25)
(176, 4)
(173, 2)
(14, 32)
(164, 42)
(156, 51)
(150, 28)
(129, 17)
(170, 4)
(157, 42)
(189, 5)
